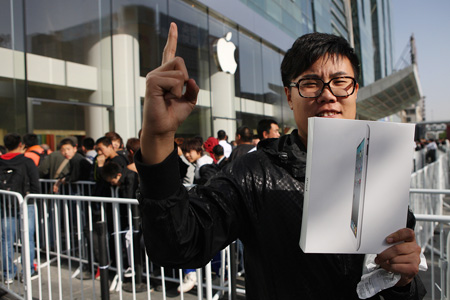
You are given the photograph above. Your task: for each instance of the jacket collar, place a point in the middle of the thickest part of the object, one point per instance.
(287, 152)
(9, 155)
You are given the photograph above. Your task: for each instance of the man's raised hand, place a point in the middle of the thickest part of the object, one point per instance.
(165, 104)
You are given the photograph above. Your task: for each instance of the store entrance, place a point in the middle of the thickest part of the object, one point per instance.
(53, 120)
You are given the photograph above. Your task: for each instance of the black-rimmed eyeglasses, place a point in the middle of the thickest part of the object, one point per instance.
(343, 86)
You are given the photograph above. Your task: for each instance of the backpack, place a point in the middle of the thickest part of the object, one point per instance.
(41, 156)
(12, 178)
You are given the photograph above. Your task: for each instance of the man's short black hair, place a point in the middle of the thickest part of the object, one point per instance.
(245, 133)
(110, 170)
(114, 136)
(308, 48)
(67, 141)
(192, 144)
(88, 143)
(12, 141)
(30, 140)
(218, 150)
(221, 135)
(264, 126)
(104, 140)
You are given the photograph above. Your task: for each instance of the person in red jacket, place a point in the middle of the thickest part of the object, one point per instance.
(18, 174)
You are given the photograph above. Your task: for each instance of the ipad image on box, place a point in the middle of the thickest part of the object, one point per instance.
(357, 182)
(359, 187)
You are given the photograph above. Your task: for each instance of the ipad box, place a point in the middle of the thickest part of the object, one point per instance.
(357, 184)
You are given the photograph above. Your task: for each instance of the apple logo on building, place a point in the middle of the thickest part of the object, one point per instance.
(224, 50)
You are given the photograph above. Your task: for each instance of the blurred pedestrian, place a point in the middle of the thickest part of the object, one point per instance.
(17, 174)
(32, 148)
(223, 141)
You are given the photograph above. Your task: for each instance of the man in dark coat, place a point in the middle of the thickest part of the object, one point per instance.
(258, 198)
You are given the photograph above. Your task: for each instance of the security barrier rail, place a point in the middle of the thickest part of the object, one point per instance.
(70, 220)
(427, 226)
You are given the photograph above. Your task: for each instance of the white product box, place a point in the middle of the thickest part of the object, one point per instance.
(357, 184)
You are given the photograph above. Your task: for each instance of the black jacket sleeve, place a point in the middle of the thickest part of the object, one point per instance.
(129, 183)
(183, 229)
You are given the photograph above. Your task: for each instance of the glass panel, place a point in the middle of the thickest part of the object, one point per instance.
(6, 38)
(71, 32)
(193, 44)
(55, 116)
(148, 21)
(12, 58)
(197, 124)
(249, 120)
(272, 86)
(250, 70)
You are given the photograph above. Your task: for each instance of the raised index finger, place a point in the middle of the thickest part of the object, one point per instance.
(171, 46)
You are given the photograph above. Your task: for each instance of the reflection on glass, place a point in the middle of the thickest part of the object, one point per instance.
(192, 40)
(5, 25)
(250, 60)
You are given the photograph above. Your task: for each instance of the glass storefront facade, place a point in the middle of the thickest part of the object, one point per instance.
(293, 17)
(75, 51)
(78, 67)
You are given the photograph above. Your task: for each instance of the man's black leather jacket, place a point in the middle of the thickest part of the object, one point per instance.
(258, 199)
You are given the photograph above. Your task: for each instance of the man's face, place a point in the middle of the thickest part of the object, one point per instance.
(192, 155)
(115, 181)
(105, 150)
(326, 105)
(115, 145)
(274, 132)
(68, 151)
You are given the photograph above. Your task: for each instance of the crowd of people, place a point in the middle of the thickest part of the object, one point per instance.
(431, 146)
(109, 163)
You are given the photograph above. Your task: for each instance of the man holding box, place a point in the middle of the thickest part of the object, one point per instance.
(259, 197)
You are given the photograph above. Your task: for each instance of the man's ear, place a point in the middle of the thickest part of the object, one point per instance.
(287, 91)
(265, 134)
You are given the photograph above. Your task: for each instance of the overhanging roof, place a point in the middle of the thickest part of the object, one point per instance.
(389, 95)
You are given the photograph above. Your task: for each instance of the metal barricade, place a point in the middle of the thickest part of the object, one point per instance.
(14, 219)
(81, 188)
(432, 177)
(72, 252)
(444, 255)
(425, 231)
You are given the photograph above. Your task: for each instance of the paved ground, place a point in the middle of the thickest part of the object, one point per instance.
(91, 289)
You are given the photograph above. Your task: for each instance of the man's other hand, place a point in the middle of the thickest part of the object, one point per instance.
(402, 258)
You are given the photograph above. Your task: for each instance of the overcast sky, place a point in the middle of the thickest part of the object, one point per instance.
(429, 21)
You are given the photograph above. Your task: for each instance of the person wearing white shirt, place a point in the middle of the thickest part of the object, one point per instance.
(222, 137)
(194, 153)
